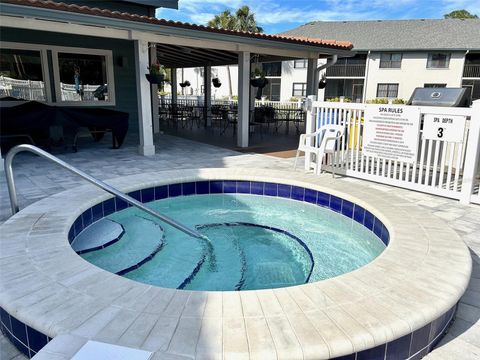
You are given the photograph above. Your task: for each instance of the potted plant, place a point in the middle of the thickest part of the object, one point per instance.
(157, 73)
(216, 82)
(258, 79)
(323, 82)
(185, 83)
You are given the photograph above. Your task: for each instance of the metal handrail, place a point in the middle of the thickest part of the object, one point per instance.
(25, 147)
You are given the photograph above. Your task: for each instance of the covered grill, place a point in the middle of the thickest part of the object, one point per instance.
(452, 97)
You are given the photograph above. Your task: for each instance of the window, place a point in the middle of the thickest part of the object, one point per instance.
(83, 76)
(22, 73)
(387, 90)
(300, 64)
(390, 60)
(434, 85)
(299, 89)
(272, 69)
(438, 60)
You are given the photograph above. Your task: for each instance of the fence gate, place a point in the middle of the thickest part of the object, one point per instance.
(441, 166)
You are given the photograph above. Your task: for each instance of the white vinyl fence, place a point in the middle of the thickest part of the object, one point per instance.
(442, 168)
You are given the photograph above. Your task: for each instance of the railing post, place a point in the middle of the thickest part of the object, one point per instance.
(471, 155)
(310, 127)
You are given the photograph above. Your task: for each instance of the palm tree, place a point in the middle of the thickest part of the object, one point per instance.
(246, 20)
(243, 20)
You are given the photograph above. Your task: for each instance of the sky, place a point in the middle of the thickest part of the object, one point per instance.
(280, 15)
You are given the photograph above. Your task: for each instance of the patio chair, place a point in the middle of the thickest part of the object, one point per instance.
(323, 141)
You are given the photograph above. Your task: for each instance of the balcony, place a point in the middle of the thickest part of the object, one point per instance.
(471, 71)
(346, 70)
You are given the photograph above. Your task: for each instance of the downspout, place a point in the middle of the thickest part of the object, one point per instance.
(365, 79)
(463, 69)
(330, 61)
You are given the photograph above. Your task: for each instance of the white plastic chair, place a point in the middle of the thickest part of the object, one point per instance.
(322, 142)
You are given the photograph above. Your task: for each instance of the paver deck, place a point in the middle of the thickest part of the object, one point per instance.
(37, 179)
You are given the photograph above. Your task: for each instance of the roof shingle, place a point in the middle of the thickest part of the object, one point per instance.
(423, 34)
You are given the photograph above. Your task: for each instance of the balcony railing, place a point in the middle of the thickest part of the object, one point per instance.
(471, 71)
(346, 70)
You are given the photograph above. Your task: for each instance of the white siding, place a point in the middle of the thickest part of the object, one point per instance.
(413, 73)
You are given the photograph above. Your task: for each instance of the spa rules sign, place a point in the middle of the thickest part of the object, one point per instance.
(391, 132)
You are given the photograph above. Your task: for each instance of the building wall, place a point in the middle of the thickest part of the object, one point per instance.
(413, 73)
(123, 62)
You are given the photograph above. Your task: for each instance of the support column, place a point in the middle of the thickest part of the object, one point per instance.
(144, 102)
(243, 98)
(207, 85)
(154, 94)
(312, 87)
(174, 85)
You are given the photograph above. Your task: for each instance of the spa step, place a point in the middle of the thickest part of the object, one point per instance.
(224, 269)
(178, 261)
(99, 235)
(142, 239)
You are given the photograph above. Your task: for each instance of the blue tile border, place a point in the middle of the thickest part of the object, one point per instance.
(296, 193)
(26, 339)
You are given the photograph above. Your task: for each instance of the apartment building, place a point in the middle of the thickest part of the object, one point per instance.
(393, 57)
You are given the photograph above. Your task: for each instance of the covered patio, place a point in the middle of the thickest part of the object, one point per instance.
(173, 45)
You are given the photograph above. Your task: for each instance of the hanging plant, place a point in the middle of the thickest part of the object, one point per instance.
(216, 82)
(156, 73)
(323, 82)
(257, 78)
(185, 83)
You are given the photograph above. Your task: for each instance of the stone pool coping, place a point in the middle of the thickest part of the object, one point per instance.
(46, 285)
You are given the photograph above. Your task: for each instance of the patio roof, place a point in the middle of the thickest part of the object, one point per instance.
(44, 9)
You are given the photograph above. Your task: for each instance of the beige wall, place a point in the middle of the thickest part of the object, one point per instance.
(413, 73)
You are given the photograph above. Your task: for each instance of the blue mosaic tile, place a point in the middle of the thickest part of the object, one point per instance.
(20, 346)
(399, 349)
(120, 204)
(310, 196)
(174, 190)
(71, 235)
(216, 187)
(347, 208)
(36, 340)
(346, 357)
(19, 330)
(256, 188)
(358, 213)
(108, 208)
(188, 188)
(284, 191)
(368, 220)
(202, 187)
(376, 353)
(377, 228)
(271, 189)
(336, 204)
(385, 235)
(323, 199)
(78, 225)
(161, 192)
(87, 217)
(229, 187)
(148, 195)
(420, 340)
(97, 212)
(298, 193)
(5, 319)
(137, 195)
(243, 187)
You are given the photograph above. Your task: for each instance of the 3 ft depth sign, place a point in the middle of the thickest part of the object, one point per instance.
(449, 128)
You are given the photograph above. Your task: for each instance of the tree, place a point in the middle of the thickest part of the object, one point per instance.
(460, 14)
(246, 20)
(243, 20)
